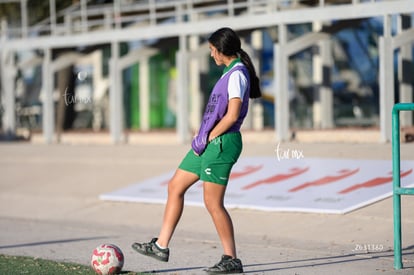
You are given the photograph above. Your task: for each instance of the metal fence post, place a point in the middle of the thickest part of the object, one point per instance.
(396, 184)
(397, 190)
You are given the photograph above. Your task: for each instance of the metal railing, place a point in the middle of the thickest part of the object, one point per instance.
(83, 17)
(397, 189)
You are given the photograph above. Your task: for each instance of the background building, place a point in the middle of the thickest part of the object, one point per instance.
(143, 65)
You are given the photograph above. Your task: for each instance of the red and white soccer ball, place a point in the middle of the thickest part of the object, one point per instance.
(107, 259)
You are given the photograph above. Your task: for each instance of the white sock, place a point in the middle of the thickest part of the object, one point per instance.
(159, 246)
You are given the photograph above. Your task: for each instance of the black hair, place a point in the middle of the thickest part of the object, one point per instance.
(227, 42)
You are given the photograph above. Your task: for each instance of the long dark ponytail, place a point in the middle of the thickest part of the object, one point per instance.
(228, 43)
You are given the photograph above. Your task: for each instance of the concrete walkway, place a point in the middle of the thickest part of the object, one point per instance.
(49, 208)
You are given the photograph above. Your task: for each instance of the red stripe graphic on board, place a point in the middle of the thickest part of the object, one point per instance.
(372, 183)
(278, 177)
(247, 170)
(326, 180)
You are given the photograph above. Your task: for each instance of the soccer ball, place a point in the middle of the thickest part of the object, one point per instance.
(107, 259)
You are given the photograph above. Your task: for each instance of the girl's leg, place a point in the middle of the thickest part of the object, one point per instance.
(214, 201)
(177, 187)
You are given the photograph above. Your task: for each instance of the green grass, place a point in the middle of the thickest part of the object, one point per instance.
(17, 265)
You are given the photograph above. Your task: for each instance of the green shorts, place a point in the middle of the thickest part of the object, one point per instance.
(214, 165)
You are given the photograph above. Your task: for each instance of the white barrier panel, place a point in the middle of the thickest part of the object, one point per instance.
(288, 184)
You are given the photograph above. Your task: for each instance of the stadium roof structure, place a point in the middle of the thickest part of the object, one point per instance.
(82, 24)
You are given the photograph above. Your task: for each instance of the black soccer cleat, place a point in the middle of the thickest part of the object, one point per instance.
(151, 249)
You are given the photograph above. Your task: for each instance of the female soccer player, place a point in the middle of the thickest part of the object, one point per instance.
(215, 149)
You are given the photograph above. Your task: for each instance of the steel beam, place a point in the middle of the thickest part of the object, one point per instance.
(8, 73)
(182, 91)
(387, 98)
(281, 84)
(405, 60)
(249, 21)
(115, 96)
(48, 121)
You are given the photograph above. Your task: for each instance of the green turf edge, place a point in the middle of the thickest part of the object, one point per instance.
(18, 265)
